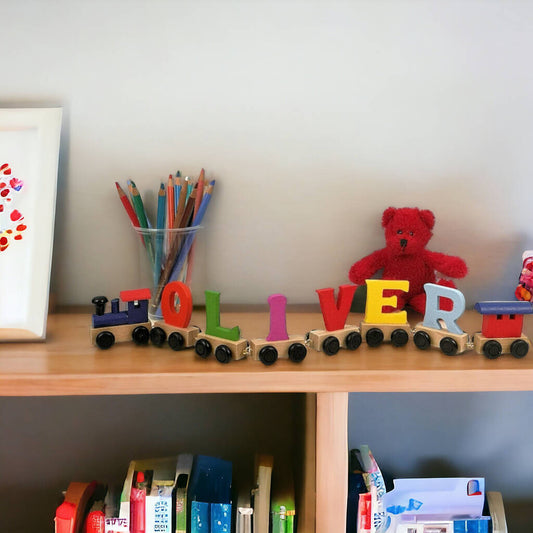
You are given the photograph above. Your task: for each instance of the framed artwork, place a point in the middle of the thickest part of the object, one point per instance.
(29, 154)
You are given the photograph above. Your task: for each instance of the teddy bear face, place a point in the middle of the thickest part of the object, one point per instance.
(407, 230)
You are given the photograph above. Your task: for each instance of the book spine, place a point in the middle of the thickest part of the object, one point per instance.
(221, 518)
(159, 514)
(200, 517)
(181, 511)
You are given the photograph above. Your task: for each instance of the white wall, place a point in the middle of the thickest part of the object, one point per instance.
(312, 116)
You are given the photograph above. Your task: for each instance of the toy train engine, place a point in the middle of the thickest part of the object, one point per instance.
(501, 330)
(119, 326)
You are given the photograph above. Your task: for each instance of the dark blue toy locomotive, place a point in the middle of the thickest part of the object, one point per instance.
(117, 325)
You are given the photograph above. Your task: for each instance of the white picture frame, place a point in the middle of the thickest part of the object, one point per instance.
(29, 146)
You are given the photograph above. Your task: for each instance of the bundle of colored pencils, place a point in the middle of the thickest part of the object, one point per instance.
(181, 206)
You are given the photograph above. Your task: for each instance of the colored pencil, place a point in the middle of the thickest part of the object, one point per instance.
(127, 205)
(143, 219)
(161, 219)
(182, 201)
(173, 253)
(184, 251)
(171, 209)
(177, 189)
(199, 197)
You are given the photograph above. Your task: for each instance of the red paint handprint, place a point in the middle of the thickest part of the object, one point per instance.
(8, 187)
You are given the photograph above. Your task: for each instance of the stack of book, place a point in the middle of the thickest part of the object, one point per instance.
(181, 494)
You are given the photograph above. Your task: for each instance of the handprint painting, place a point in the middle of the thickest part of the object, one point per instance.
(29, 157)
(11, 219)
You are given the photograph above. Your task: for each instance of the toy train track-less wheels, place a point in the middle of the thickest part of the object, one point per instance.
(353, 340)
(492, 349)
(519, 348)
(422, 340)
(268, 355)
(297, 352)
(105, 339)
(399, 337)
(158, 336)
(176, 341)
(331, 345)
(223, 354)
(374, 337)
(140, 335)
(203, 348)
(448, 346)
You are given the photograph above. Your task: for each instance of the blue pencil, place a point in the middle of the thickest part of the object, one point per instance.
(184, 251)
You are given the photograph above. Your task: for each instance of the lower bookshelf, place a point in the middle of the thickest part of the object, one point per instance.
(71, 410)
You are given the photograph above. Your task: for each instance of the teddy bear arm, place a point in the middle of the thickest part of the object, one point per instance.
(366, 267)
(448, 265)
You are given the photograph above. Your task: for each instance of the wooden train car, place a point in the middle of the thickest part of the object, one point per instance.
(225, 349)
(330, 342)
(294, 348)
(177, 338)
(501, 330)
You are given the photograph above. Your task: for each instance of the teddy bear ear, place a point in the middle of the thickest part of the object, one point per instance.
(428, 218)
(388, 215)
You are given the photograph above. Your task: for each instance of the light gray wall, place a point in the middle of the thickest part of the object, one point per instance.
(312, 116)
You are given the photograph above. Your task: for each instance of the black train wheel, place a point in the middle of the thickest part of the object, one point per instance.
(203, 348)
(492, 349)
(104, 340)
(223, 354)
(158, 336)
(374, 337)
(331, 345)
(268, 355)
(449, 346)
(422, 340)
(399, 337)
(140, 335)
(297, 352)
(176, 341)
(519, 348)
(353, 340)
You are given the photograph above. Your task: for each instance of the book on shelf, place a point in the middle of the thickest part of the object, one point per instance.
(181, 484)
(261, 493)
(209, 495)
(282, 504)
(147, 495)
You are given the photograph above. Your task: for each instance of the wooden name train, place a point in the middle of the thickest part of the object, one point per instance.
(501, 330)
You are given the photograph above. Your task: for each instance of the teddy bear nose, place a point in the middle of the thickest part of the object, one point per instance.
(403, 243)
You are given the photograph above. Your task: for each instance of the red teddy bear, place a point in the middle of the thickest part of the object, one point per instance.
(407, 231)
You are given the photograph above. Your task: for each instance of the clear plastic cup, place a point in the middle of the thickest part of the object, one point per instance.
(164, 256)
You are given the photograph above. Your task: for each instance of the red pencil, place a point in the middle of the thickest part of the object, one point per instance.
(127, 205)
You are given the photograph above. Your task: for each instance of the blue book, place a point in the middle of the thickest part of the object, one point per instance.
(210, 480)
(200, 517)
(209, 483)
(220, 518)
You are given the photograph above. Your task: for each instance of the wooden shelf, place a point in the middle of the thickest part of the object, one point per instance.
(67, 364)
